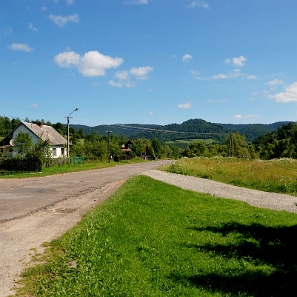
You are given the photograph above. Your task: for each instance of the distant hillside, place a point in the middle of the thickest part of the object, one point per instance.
(191, 129)
(253, 131)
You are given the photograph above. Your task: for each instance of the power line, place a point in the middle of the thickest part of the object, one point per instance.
(166, 131)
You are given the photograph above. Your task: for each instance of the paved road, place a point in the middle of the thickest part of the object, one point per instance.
(55, 204)
(21, 197)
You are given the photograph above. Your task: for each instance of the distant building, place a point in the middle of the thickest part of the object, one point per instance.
(126, 148)
(38, 131)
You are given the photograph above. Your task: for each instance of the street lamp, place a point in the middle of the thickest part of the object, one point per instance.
(108, 132)
(68, 117)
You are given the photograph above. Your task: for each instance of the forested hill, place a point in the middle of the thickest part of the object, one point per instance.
(253, 131)
(191, 129)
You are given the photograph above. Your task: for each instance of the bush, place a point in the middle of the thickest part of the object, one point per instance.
(21, 164)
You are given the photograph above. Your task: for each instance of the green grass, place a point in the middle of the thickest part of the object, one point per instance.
(67, 168)
(279, 175)
(154, 239)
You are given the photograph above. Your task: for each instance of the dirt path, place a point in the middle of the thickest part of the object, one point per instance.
(36, 210)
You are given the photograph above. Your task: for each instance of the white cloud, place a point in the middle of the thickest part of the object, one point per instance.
(121, 83)
(252, 76)
(124, 78)
(137, 2)
(252, 116)
(34, 105)
(198, 4)
(289, 94)
(220, 76)
(6, 30)
(249, 116)
(185, 105)
(141, 72)
(90, 64)
(196, 74)
(275, 82)
(238, 62)
(31, 27)
(187, 58)
(21, 47)
(70, 2)
(122, 74)
(151, 113)
(63, 20)
(235, 74)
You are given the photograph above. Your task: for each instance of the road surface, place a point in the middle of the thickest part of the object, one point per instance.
(35, 210)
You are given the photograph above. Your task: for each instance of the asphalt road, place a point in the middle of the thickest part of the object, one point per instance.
(21, 197)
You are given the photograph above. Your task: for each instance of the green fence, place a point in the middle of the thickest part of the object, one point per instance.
(78, 160)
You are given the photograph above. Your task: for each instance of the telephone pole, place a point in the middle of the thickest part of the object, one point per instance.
(231, 146)
(108, 133)
(68, 124)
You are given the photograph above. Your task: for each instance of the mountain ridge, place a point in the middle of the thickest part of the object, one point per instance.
(192, 128)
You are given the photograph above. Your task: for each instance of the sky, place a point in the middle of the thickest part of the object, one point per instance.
(149, 61)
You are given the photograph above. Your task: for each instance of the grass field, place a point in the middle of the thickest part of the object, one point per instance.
(279, 175)
(154, 239)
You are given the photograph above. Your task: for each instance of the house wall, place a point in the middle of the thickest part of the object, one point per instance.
(25, 130)
(60, 151)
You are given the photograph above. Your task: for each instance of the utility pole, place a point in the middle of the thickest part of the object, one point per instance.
(108, 133)
(68, 124)
(231, 146)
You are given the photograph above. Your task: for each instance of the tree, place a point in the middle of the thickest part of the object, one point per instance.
(166, 151)
(237, 146)
(22, 144)
(41, 151)
(156, 145)
(140, 147)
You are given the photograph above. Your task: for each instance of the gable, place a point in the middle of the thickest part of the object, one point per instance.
(41, 131)
(45, 133)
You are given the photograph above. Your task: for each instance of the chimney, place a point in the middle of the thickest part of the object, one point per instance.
(39, 124)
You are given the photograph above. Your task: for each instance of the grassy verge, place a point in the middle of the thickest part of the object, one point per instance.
(277, 176)
(67, 168)
(154, 239)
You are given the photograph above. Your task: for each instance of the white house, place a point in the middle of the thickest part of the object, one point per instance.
(58, 143)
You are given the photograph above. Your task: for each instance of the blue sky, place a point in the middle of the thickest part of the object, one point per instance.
(149, 61)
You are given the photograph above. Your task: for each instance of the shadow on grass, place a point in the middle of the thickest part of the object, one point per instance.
(259, 245)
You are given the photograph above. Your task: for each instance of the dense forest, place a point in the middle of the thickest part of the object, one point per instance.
(250, 141)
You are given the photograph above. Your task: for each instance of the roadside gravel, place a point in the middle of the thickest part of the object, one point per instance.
(253, 197)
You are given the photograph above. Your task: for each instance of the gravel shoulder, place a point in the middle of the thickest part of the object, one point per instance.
(256, 198)
(21, 237)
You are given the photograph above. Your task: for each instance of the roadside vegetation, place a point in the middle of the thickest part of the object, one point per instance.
(277, 175)
(154, 239)
(67, 168)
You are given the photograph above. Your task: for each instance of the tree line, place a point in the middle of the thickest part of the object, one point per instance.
(280, 143)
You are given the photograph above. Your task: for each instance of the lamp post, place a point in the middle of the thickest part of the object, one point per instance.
(108, 132)
(68, 117)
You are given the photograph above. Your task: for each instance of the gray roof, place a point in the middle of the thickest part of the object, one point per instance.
(46, 133)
